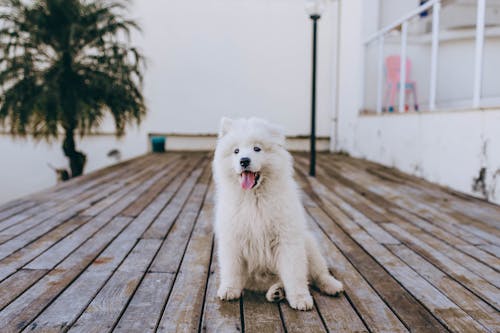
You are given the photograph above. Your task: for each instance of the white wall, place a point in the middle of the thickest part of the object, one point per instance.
(210, 58)
(391, 10)
(23, 163)
(350, 69)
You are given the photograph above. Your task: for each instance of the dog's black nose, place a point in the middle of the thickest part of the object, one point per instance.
(244, 162)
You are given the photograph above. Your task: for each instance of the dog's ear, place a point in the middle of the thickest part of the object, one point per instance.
(225, 126)
(277, 133)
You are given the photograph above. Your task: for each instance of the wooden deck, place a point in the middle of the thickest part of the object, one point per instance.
(130, 248)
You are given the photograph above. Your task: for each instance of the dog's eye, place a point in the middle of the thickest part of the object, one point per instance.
(257, 149)
(236, 151)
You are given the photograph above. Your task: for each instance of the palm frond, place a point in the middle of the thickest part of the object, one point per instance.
(65, 64)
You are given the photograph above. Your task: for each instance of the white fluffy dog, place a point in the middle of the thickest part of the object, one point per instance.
(263, 240)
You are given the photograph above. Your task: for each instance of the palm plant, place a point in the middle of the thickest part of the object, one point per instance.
(65, 64)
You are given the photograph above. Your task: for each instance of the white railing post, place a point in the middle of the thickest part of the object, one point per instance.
(380, 73)
(434, 55)
(478, 60)
(402, 74)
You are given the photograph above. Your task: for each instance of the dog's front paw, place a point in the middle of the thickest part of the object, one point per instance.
(329, 285)
(228, 293)
(302, 302)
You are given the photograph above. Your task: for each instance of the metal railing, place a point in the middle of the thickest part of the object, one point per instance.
(402, 24)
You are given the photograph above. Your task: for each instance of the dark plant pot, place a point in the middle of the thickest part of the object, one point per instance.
(158, 144)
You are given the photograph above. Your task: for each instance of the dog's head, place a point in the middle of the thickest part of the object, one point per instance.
(250, 152)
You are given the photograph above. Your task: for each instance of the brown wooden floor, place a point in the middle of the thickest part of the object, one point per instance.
(130, 248)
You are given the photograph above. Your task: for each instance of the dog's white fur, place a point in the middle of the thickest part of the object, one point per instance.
(263, 240)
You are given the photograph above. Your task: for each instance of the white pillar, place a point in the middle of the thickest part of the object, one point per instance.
(478, 60)
(434, 55)
(402, 77)
(380, 73)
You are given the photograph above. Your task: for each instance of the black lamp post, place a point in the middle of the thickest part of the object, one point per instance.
(314, 8)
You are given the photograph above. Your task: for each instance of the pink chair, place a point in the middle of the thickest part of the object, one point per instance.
(392, 84)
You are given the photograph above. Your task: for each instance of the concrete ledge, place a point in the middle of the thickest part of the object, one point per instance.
(204, 142)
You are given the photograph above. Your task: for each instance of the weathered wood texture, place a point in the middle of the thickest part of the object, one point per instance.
(130, 248)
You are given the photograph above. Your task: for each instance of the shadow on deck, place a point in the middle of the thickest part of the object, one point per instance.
(130, 248)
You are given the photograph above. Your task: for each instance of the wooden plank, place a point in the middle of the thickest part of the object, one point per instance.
(337, 312)
(153, 171)
(22, 216)
(54, 255)
(119, 206)
(455, 254)
(479, 210)
(473, 282)
(363, 221)
(19, 258)
(12, 263)
(106, 307)
(444, 236)
(405, 306)
(388, 196)
(219, 316)
(397, 215)
(68, 306)
(466, 206)
(106, 176)
(169, 256)
(479, 268)
(489, 234)
(185, 303)
(146, 303)
(135, 208)
(27, 237)
(378, 192)
(371, 307)
(163, 223)
(177, 235)
(34, 233)
(41, 212)
(466, 300)
(83, 182)
(443, 206)
(301, 321)
(260, 315)
(15, 285)
(47, 210)
(23, 309)
(486, 272)
(493, 249)
(16, 209)
(12, 203)
(426, 293)
(89, 198)
(470, 274)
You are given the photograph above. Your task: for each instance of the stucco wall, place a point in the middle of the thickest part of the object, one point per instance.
(210, 58)
(448, 148)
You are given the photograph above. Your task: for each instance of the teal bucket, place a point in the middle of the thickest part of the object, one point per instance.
(158, 144)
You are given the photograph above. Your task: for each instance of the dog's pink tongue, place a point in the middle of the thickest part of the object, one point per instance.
(247, 180)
